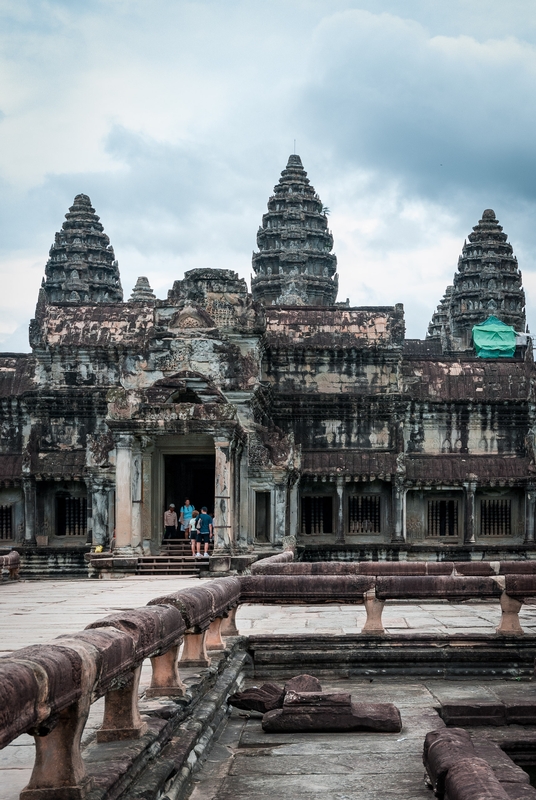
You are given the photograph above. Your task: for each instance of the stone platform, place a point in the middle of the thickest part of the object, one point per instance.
(364, 766)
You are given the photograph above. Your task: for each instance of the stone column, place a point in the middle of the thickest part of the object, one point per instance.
(399, 511)
(339, 538)
(147, 496)
(28, 487)
(246, 530)
(469, 522)
(294, 510)
(99, 511)
(136, 467)
(223, 518)
(123, 495)
(530, 499)
(280, 515)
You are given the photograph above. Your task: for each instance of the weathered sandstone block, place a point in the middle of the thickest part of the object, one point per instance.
(442, 749)
(316, 711)
(263, 698)
(304, 589)
(473, 779)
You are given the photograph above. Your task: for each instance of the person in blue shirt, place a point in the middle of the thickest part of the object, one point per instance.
(186, 515)
(204, 531)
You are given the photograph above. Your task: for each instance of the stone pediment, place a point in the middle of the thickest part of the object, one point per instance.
(190, 317)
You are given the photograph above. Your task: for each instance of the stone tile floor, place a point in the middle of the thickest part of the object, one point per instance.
(247, 762)
(33, 612)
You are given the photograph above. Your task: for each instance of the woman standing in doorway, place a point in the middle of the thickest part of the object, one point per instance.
(186, 515)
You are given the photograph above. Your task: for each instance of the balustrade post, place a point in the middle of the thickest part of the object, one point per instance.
(121, 713)
(509, 624)
(165, 680)
(194, 651)
(214, 640)
(228, 624)
(374, 608)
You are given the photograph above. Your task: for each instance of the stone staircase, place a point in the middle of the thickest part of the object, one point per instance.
(175, 559)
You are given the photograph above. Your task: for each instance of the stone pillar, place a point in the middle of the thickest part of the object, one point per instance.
(246, 529)
(469, 520)
(399, 511)
(136, 467)
(123, 495)
(99, 511)
(294, 529)
(530, 499)
(147, 496)
(28, 487)
(280, 512)
(223, 518)
(339, 538)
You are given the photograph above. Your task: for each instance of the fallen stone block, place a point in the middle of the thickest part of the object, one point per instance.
(330, 712)
(303, 683)
(263, 698)
(270, 695)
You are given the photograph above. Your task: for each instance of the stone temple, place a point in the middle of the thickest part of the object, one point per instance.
(288, 414)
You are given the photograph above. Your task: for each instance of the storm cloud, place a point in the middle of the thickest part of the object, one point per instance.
(177, 118)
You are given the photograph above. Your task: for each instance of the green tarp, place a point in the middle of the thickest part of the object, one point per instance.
(494, 339)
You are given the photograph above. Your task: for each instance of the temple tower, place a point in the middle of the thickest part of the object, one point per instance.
(295, 265)
(487, 282)
(82, 266)
(142, 292)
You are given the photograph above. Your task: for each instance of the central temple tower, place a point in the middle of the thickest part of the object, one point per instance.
(295, 265)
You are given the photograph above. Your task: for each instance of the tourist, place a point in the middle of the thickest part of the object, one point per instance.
(191, 531)
(185, 517)
(171, 523)
(204, 531)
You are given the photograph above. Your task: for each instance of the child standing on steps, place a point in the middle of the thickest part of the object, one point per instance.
(192, 530)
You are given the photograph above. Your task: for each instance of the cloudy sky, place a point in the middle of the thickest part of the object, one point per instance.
(177, 117)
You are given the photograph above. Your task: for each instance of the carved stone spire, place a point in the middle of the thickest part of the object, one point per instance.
(440, 323)
(142, 292)
(487, 282)
(295, 264)
(82, 266)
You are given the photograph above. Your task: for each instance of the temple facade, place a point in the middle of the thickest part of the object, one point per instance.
(287, 414)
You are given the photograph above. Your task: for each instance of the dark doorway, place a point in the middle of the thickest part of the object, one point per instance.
(262, 516)
(190, 476)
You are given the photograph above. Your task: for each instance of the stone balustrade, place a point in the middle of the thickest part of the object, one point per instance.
(272, 561)
(10, 562)
(46, 690)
